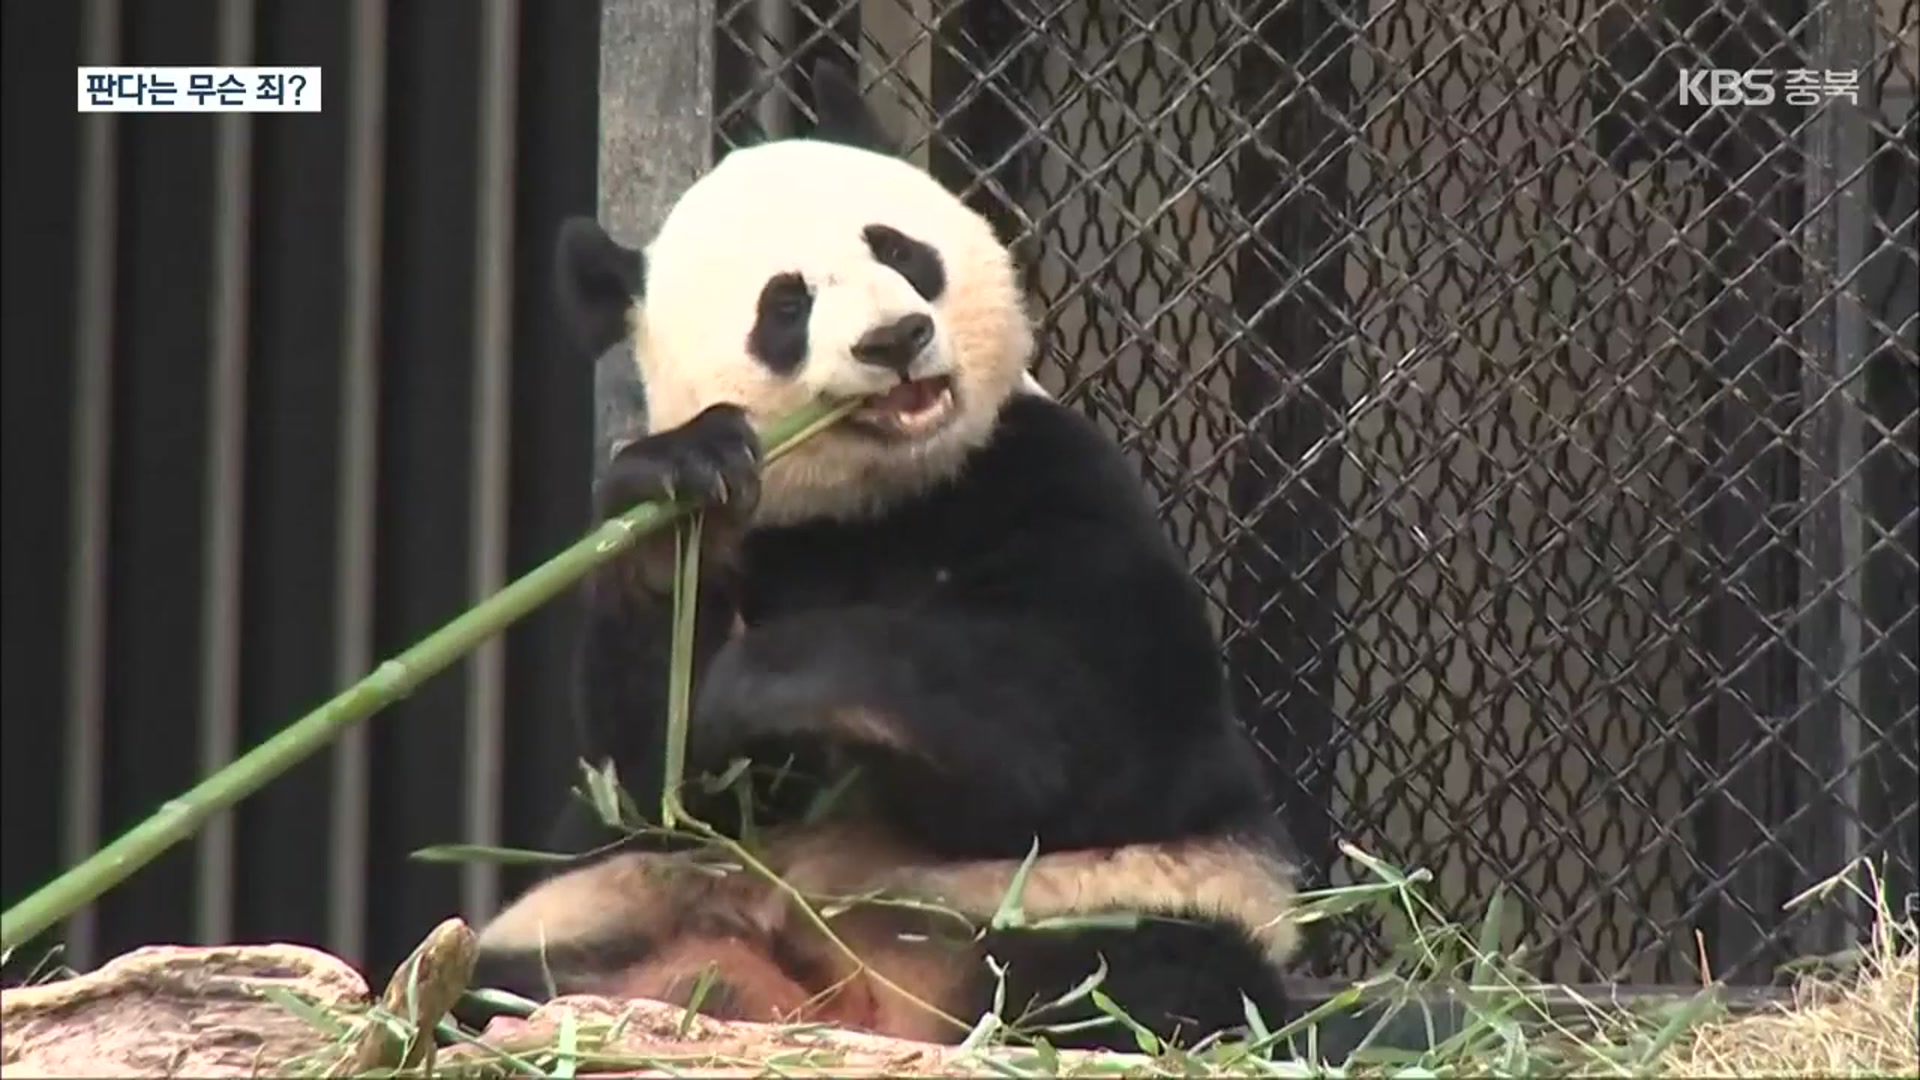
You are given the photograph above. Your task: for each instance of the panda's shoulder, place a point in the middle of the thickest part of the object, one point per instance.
(1054, 452)
(1042, 421)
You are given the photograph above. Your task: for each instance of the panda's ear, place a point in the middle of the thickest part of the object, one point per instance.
(843, 115)
(597, 280)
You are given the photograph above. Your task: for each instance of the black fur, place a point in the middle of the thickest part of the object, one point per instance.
(912, 259)
(1182, 981)
(841, 115)
(596, 279)
(1026, 631)
(779, 335)
(712, 460)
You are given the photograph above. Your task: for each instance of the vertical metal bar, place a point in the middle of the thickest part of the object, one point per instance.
(1747, 389)
(492, 336)
(1890, 684)
(904, 33)
(1838, 143)
(772, 44)
(92, 447)
(226, 455)
(656, 136)
(1286, 570)
(818, 30)
(986, 130)
(359, 457)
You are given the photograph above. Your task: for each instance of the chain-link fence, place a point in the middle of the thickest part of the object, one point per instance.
(1544, 433)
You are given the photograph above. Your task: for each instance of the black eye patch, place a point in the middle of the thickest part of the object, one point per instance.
(779, 335)
(910, 258)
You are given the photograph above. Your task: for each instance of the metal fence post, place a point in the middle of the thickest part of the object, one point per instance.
(656, 111)
(91, 470)
(1838, 148)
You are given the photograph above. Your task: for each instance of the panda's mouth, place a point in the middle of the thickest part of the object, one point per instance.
(914, 409)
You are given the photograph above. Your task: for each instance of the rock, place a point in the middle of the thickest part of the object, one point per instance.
(204, 1012)
(176, 1011)
(656, 1039)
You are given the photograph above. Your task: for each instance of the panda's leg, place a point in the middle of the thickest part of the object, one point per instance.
(1181, 980)
(909, 972)
(578, 928)
(727, 978)
(590, 929)
(540, 974)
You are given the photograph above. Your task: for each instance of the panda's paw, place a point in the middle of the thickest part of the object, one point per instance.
(711, 462)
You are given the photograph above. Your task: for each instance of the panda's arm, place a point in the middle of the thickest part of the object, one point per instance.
(984, 696)
(621, 664)
(627, 640)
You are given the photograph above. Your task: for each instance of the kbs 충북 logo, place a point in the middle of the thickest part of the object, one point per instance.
(1764, 86)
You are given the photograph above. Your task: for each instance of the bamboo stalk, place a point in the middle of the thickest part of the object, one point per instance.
(178, 818)
(686, 589)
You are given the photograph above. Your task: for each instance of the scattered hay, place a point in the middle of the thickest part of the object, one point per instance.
(1861, 1024)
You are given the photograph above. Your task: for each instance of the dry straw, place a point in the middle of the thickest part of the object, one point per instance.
(1860, 1024)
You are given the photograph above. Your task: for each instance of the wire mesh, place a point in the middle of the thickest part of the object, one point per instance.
(1545, 441)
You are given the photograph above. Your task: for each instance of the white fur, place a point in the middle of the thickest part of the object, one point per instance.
(799, 206)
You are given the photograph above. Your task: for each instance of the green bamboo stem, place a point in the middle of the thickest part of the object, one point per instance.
(686, 587)
(178, 818)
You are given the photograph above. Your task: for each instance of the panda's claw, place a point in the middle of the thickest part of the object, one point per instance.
(711, 461)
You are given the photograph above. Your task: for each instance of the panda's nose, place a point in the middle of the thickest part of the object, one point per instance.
(895, 345)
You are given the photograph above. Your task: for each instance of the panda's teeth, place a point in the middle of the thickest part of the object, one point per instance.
(932, 413)
(921, 408)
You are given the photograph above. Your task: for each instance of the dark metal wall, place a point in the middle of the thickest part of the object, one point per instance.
(282, 396)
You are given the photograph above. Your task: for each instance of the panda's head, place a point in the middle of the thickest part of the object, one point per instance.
(827, 267)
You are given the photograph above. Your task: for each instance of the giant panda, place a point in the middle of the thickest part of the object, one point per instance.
(960, 589)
